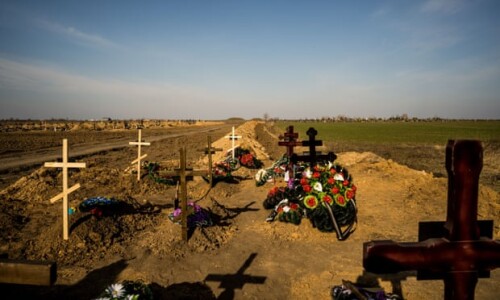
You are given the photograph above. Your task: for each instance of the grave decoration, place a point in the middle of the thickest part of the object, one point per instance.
(222, 170)
(316, 188)
(127, 290)
(137, 161)
(184, 173)
(66, 191)
(196, 216)
(349, 291)
(98, 206)
(277, 170)
(459, 250)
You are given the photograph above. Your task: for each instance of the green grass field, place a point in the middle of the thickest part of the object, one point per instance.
(437, 133)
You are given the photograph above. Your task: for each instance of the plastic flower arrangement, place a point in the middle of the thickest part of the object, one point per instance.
(132, 290)
(196, 216)
(327, 186)
(247, 158)
(288, 211)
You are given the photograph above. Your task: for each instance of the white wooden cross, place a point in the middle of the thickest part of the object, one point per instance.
(233, 137)
(64, 195)
(139, 143)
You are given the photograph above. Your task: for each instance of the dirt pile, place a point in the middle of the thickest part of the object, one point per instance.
(136, 240)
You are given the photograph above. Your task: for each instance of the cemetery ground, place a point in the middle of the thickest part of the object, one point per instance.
(241, 256)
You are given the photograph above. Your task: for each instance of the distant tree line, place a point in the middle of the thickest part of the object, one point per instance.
(343, 118)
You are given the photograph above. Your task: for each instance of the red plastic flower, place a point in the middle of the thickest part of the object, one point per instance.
(333, 171)
(307, 188)
(331, 181)
(349, 194)
(316, 175)
(335, 190)
(310, 202)
(340, 200)
(345, 183)
(303, 181)
(327, 199)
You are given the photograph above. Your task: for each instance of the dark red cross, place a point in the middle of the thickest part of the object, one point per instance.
(289, 140)
(460, 250)
(312, 157)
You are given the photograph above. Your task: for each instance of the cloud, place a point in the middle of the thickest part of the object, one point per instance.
(76, 92)
(78, 36)
(443, 6)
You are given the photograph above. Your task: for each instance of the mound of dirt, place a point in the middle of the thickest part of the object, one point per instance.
(136, 240)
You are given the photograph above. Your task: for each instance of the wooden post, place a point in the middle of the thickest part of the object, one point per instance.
(460, 250)
(210, 150)
(64, 195)
(139, 143)
(233, 137)
(183, 173)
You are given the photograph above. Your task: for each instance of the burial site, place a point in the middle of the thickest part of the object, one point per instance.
(239, 210)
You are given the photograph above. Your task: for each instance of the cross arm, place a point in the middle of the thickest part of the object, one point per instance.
(60, 165)
(434, 255)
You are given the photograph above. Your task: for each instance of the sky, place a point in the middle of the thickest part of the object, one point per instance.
(221, 59)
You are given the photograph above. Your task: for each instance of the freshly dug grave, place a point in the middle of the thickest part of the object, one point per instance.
(137, 241)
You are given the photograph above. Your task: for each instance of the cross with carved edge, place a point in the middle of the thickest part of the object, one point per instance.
(312, 157)
(64, 195)
(289, 140)
(233, 137)
(210, 150)
(183, 172)
(464, 250)
(139, 143)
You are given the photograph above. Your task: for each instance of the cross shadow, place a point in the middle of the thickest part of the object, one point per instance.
(231, 213)
(182, 291)
(371, 280)
(231, 282)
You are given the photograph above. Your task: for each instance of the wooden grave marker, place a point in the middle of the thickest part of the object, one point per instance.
(27, 272)
(209, 151)
(183, 172)
(289, 140)
(139, 143)
(64, 195)
(312, 156)
(233, 137)
(460, 250)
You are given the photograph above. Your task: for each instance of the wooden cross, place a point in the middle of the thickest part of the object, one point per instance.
(312, 157)
(210, 150)
(289, 140)
(183, 172)
(64, 195)
(139, 143)
(230, 282)
(233, 137)
(460, 250)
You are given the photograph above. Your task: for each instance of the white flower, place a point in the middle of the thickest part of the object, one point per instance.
(116, 290)
(318, 187)
(338, 176)
(308, 173)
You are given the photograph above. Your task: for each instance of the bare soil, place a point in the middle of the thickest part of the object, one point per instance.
(241, 256)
